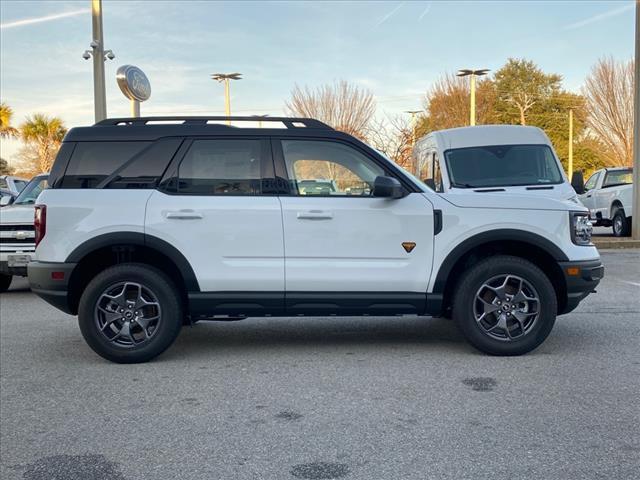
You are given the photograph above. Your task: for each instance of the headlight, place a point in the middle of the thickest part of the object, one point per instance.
(581, 228)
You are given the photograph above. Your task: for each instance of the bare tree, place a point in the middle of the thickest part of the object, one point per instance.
(393, 136)
(447, 102)
(609, 93)
(344, 106)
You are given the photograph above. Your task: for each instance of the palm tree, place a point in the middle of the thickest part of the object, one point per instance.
(6, 130)
(44, 134)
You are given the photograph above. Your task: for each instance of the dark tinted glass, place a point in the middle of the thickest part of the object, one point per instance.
(93, 162)
(60, 165)
(145, 169)
(221, 167)
(502, 166)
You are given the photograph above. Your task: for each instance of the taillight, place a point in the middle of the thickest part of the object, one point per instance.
(40, 222)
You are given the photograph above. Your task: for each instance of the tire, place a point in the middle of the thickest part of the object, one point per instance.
(621, 224)
(5, 282)
(151, 312)
(525, 330)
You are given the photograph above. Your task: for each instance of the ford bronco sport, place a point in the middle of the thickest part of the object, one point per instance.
(150, 223)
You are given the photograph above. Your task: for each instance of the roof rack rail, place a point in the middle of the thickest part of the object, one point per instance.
(289, 122)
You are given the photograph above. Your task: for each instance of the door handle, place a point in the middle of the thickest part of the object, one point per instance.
(184, 215)
(315, 215)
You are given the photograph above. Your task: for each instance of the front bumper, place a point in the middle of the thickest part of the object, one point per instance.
(581, 279)
(50, 281)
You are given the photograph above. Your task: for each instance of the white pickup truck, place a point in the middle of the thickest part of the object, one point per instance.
(607, 194)
(500, 159)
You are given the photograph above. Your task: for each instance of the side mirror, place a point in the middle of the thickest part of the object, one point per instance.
(6, 200)
(577, 182)
(388, 187)
(429, 182)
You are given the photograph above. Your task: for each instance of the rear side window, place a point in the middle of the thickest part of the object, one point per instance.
(93, 162)
(221, 167)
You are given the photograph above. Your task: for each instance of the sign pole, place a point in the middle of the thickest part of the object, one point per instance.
(135, 108)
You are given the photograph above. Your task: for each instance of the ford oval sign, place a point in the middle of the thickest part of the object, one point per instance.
(133, 83)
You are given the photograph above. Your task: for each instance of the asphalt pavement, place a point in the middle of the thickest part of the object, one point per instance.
(317, 398)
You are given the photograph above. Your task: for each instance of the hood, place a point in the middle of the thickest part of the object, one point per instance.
(511, 201)
(22, 214)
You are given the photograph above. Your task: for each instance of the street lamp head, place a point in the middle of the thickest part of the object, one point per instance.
(467, 71)
(226, 76)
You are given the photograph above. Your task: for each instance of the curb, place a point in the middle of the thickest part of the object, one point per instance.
(611, 243)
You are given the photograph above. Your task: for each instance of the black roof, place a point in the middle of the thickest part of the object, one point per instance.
(151, 128)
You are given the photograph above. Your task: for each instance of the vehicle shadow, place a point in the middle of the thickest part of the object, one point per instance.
(320, 333)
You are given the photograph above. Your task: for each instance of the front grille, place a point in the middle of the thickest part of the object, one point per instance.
(17, 241)
(16, 228)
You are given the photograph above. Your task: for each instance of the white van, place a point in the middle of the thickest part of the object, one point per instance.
(492, 158)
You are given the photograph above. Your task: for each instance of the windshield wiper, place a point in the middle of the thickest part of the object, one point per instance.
(463, 185)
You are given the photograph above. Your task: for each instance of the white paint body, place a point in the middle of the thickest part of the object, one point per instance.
(236, 243)
(489, 135)
(603, 201)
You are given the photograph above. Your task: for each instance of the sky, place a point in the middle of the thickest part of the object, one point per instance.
(397, 49)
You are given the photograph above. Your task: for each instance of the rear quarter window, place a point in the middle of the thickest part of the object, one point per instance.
(93, 162)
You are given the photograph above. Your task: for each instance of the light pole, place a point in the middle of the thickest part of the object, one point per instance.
(473, 73)
(413, 114)
(635, 218)
(100, 55)
(570, 162)
(225, 77)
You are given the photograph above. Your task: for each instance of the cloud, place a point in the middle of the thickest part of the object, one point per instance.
(601, 16)
(390, 14)
(46, 18)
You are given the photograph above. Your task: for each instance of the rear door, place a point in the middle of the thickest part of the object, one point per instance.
(214, 207)
(346, 250)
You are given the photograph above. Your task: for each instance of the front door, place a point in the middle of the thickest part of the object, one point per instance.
(346, 250)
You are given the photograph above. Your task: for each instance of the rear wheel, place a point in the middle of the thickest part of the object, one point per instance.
(505, 305)
(621, 224)
(5, 282)
(130, 313)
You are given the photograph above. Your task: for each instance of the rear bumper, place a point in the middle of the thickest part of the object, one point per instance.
(581, 279)
(50, 282)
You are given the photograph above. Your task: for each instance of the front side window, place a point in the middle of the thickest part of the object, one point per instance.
(591, 183)
(221, 167)
(329, 169)
(502, 166)
(618, 177)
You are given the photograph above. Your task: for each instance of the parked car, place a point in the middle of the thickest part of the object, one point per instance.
(504, 159)
(17, 244)
(608, 196)
(10, 187)
(148, 224)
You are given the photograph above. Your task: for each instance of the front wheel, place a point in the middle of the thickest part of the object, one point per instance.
(130, 313)
(5, 282)
(621, 224)
(505, 305)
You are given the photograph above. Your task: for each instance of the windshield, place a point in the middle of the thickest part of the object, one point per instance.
(29, 194)
(502, 166)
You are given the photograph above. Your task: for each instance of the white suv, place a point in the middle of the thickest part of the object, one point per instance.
(150, 223)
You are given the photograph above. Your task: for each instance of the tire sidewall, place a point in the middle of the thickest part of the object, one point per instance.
(465, 299)
(5, 282)
(616, 215)
(151, 278)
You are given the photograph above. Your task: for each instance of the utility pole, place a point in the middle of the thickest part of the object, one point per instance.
(635, 225)
(570, 165)
(473, 73)
(99, 93)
